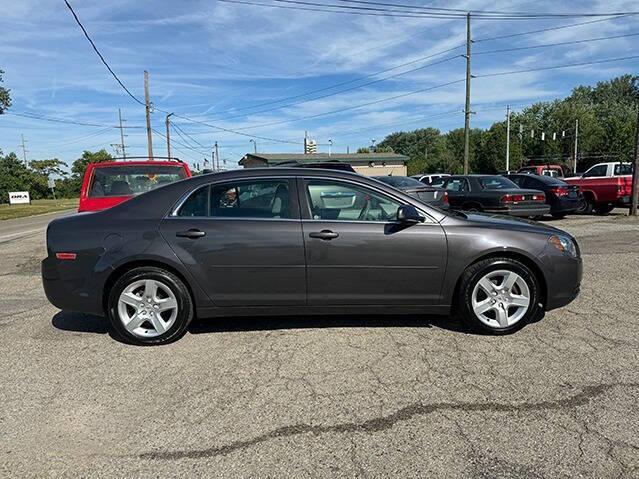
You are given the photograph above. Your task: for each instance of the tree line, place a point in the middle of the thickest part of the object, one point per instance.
(606, 113)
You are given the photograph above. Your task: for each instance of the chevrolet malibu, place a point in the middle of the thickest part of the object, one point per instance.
(284, 241)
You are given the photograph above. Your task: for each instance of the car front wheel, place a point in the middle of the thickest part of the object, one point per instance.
(499, 295)
(149, 306)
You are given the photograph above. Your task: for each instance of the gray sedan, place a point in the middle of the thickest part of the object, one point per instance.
(300, 241)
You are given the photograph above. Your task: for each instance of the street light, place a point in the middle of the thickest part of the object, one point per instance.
(254, 145)
(330, 144)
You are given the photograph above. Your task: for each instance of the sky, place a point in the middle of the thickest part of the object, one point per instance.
(233, 65)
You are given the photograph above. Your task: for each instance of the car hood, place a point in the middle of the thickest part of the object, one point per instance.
(493, 221)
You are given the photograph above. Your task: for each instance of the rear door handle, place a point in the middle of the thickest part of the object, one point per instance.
(193, 234)
(324, 235)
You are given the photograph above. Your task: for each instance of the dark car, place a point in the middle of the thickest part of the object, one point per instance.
(282, 241)
(324, 165)
(494, 194)
(417, 189)
(562, 198)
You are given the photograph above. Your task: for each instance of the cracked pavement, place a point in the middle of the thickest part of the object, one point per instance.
(328, 397)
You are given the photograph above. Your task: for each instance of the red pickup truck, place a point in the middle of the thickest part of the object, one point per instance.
(604, 187)
(111, 182)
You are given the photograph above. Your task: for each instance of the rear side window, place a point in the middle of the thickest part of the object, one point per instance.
(623, 169)
(456, 184)
(251, 199)
(197, 205)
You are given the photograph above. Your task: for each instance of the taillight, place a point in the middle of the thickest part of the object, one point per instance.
(541, 198)
(559, 191)
(445, 198)
(67, 256)
(512, 198)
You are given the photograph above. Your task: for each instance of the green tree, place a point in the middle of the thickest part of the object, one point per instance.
(48, 167)
(16, 176)
(5, 98)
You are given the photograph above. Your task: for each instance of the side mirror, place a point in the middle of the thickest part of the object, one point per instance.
(408, 214)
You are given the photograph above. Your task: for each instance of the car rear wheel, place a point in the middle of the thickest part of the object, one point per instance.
(586, 206)
(149, 306)
(499, 295)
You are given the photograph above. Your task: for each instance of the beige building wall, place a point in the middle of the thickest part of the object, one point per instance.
(395, 170)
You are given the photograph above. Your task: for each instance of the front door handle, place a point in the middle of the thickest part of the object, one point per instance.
(192, 233)
(324, 235)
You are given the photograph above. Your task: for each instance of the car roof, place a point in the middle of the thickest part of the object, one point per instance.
(543, 178)
(107, 164)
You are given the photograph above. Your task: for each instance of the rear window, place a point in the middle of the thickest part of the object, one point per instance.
(133, 179)
(400, 181)
(496, 183)
(623, 169)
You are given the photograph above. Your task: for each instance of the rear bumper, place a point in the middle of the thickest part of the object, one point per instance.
(520, 211)
(566, 206)
(624, 201)
(67, 289)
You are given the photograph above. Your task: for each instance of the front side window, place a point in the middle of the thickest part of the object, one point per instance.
(251, 199)
(596, 171)
(329, 200)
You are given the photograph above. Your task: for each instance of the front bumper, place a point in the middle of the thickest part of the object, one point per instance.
(521, 211)
(563, 274)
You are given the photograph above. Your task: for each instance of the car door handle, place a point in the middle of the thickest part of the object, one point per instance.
(193, 234)
(324, 235)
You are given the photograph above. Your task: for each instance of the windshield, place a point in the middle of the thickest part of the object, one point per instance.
(401, 181)
(496, 183)
(132, 179)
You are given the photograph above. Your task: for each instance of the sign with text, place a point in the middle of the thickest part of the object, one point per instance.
(19, 197)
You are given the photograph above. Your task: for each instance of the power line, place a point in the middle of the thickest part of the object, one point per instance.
(341, 110)
(182, 134)
(35, 116)
(95, 48)
(444, 60)
(554, 67)
(549, 29)
(330, 87)
(546, 45)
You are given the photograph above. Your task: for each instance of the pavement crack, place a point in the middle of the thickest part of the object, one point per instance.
(383, 423)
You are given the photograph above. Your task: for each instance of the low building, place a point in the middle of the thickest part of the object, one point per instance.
(369, 164)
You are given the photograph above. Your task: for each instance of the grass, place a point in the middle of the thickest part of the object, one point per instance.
(37, 207)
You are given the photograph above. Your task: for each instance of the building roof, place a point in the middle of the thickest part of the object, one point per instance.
(351, 158)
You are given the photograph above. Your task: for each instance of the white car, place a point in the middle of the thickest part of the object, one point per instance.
(436, 179)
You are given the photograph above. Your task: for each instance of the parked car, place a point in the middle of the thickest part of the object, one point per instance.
(435, 179)
(424, 193)
(604, 187)
(494, 194)
(562, 197)
(555, 171)
(109, 183)
(278, 241)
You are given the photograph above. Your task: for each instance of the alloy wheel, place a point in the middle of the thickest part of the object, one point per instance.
(147, 308)
(500, 299)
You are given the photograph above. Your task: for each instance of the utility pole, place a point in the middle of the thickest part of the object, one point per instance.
(507, 138)
(168, 135)
(121, 134)
(467, 109)
(217, 157)
(24, 150)
(576, 145)
(634, 197)
(147, 102)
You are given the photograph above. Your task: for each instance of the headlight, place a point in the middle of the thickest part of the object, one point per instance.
(564, 244)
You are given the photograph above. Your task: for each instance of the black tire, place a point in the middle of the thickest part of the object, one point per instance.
(602, 209)
(477, 271)
(178, 288)
(558, 216)
(586, 206)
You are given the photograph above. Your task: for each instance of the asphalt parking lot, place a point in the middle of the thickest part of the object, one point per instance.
(326, 397)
